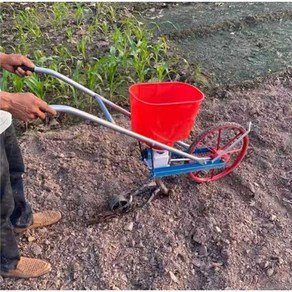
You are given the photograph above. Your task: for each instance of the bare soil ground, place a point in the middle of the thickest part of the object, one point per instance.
(235, 233)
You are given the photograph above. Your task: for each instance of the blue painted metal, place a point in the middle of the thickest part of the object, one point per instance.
(104, 109)
(197, 151)
(185, 168)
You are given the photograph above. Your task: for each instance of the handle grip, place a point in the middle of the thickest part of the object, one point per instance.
(23, 67)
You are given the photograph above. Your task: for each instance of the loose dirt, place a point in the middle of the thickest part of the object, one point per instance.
(235, 233)
(232, 42)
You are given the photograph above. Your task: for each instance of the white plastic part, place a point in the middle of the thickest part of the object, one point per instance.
(160, 159)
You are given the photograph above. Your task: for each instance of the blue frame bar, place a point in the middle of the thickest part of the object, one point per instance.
(104, 109)
(197, 151)
(185, 168)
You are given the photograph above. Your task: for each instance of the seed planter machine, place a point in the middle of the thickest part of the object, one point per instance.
(162, 116)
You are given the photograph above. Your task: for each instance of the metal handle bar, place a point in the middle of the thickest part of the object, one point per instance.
(85, 90)
(85, 115)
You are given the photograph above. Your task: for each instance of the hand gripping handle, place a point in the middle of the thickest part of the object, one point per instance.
(23, 67)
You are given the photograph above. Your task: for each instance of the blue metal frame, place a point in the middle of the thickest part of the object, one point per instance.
(185, 168)
(197, 151)
(182, 168)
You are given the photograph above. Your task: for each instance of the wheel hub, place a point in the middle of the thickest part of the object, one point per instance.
(225, 157)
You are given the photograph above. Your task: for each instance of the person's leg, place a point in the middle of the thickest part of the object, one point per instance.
(12, 264)
(22, 213)
(22, 217)
(8, 245)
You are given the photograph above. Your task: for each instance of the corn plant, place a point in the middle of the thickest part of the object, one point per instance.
(4, 80)
(159, 49)
(35, 85)
(161, 71)
(27, 20)
(81, 46)
(93, 76)
(110, 68)
(103, 27)
(79, 13)
(60, 14)
(65, 54)
(69, 32)
(18, 83)
(111, 13)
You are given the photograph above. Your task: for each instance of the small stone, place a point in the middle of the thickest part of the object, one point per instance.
(36, 249)
(198, 263)
(287, 110)
(273, 217)
(199, 236)
(173, 277)
(129, 227)
(218, 229)
(254, 111)
(252, 188)
(31, 239)
(203, 251)
(270, 272)
(252, 203)
(140, 244)
(214, 265)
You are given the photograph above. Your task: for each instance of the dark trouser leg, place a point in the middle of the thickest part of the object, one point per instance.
(8, 245)
(22, 214)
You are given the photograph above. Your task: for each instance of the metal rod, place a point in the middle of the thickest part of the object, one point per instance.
(82, 88)
(233, 144)
(82, 114)
(179, 159)
(183, 144)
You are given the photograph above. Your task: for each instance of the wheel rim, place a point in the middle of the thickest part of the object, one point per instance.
(216, 140)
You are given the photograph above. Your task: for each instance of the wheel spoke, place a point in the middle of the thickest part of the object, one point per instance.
(230, 141)
(219, 139)
(233, 151)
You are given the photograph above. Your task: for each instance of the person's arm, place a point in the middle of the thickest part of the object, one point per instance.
(8, 61)
(24, 106)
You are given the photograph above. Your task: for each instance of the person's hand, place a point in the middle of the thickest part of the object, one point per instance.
(26, 106)
(8, 61)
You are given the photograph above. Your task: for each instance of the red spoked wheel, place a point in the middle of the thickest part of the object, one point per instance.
(215, 140)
